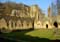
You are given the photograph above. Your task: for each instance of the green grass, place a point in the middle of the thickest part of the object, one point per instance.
(33, 36)
(41, 33)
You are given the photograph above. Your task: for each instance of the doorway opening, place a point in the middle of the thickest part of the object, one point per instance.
(47, 26)
(55, 24)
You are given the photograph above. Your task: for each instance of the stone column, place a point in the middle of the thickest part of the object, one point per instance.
(13, 25)
(30, 25)
(10, 25)
(24, 25)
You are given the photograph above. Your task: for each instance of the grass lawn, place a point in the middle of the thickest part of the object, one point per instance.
(33, 35)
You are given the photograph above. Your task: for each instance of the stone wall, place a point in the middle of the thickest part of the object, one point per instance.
(3, 23)
(15, 24)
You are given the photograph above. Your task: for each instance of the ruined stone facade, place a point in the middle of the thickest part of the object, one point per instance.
(29, 17)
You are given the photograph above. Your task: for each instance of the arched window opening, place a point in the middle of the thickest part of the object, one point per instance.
(7, 24)
(12, 24)
(22, 24)
(15, 24)
(27, 24)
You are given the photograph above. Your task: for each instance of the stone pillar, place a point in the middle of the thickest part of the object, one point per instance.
(30, 25)
(13, 24)
(18, 25)
(10, 25)
(24, 25)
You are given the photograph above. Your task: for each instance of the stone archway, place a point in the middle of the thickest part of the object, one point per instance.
(55, 24)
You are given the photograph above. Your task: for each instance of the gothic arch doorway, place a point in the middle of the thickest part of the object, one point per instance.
(55, 24)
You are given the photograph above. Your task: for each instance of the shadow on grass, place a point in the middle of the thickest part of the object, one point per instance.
(29, 38)
(20, 35)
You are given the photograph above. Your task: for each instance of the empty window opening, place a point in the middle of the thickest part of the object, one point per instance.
(7, 24)
(27, 24)
(15, 24)
(12, 24)
(22, 24)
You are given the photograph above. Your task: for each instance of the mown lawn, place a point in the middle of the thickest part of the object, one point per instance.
(33, 35)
